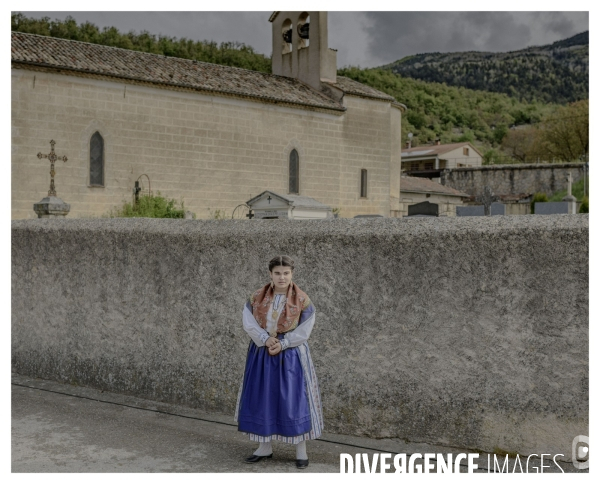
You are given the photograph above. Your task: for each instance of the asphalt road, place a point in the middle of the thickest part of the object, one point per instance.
(64, 428)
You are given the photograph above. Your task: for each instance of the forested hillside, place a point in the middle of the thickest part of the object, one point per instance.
(505, 128)
(451, 113)
(555, 73)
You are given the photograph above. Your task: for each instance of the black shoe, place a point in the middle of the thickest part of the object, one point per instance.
(256, 458)
(301, 464)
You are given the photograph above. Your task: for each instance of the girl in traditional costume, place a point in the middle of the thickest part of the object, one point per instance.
(279, 398)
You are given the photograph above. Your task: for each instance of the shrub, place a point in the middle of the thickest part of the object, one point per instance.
(585, 205)
(151, 206)
(538, 197)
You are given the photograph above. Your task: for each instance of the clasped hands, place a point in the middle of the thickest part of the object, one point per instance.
(273, 345)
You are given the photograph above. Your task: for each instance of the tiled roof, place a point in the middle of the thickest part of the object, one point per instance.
(296, 201)
(70, 55)
(434, 149)
(300, 201)
(425, 185)
(350, 86)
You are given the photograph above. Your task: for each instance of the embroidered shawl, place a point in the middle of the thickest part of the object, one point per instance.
(296, 301)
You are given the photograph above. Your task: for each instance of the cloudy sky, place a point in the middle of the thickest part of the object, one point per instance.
(367, 39)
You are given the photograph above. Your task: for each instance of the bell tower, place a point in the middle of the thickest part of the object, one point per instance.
(300, 47)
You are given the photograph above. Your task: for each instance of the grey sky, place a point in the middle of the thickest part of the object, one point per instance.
(367, 39)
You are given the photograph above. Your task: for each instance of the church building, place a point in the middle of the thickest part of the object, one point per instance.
(210, 135)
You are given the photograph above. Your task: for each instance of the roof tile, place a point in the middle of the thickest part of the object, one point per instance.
(434, 149)
(425, 185)
(350, 86)
(55, 53)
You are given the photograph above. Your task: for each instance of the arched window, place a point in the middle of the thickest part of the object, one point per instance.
(286, 32)
(97, 160)
(294, 173)
(363, 183)
(303, 28)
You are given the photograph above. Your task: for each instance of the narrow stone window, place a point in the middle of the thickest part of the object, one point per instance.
(294, 173)
(363, 183)
(466, 151)
(97, 160)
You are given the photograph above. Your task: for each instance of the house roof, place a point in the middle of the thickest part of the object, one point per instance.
(433, 150)
(352, 87)
(73, 56)
(296, 201)
(414, 184)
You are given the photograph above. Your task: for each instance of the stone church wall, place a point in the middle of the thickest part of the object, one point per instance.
(212, 152)
(371, 142)
(449, 331)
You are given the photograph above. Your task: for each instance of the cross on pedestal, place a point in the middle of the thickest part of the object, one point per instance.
(569, 182)
(569, 198)
(487, 199)
(52, 158)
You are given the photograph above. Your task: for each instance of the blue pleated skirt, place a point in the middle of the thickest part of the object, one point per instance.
(279, 397)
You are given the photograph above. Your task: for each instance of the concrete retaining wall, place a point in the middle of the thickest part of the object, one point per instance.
(513, 179)
(468, 332)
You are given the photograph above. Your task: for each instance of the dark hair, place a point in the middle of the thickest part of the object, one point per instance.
(281, 260)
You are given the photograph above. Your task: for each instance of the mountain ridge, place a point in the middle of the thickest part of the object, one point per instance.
(554, 73)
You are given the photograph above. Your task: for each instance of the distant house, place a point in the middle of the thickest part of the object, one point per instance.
(414, 190)
(429, 161)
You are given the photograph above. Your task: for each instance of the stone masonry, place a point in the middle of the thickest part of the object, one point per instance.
(212, 152)
(449, 331)
(513, 179)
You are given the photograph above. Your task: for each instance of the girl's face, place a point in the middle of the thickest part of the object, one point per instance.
(281, 277)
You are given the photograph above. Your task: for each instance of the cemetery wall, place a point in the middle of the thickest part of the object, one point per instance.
(513, 179)
(212, 152)
(467, 332)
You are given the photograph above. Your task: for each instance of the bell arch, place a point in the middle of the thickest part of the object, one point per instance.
(286, 34)
(302, 29)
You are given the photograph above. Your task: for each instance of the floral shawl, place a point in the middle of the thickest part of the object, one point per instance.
(296, 301)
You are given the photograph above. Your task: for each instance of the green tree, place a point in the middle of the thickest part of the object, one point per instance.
(566, 132)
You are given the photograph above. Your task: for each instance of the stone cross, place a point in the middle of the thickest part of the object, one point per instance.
(487, 199)
(52, 158)
(569, 181)
(569, 198)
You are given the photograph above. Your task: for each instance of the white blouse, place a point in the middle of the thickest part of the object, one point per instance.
(292, 338)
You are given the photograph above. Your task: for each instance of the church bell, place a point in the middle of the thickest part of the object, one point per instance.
(287, 36)
(303, 30)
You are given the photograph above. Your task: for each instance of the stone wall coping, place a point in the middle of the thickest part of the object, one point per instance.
(340, 227)
(517, 166)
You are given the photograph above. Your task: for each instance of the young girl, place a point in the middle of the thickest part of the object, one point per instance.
(279, 398)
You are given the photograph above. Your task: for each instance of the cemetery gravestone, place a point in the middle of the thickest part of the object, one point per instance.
(551, 208)
(423, 209)
(498, 208)
(470, 211)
